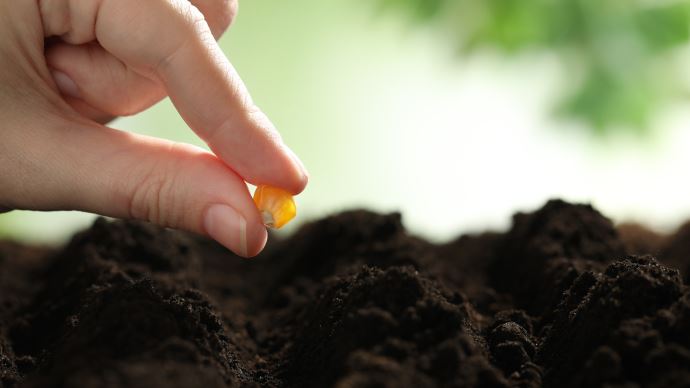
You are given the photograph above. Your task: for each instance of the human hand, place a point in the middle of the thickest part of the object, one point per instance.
(67, 66)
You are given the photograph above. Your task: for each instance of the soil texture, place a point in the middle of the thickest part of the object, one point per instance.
(562, 299)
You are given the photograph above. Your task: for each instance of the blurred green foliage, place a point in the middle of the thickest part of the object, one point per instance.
(618, 55)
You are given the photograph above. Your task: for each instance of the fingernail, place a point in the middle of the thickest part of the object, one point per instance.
(66, 84)
(225, 225)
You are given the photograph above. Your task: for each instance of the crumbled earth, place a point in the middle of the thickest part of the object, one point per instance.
(562, 299)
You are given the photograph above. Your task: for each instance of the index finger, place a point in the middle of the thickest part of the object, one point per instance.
(171, 40)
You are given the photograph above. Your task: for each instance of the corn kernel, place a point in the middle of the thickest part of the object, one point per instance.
(276, 205)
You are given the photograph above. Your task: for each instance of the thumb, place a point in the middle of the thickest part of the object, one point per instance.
(119, 174)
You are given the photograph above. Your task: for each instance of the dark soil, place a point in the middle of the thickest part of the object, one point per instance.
(563, 299)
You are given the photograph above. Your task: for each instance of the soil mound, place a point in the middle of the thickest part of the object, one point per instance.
(562, 299)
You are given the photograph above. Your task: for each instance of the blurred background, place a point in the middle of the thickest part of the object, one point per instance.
(459, 113)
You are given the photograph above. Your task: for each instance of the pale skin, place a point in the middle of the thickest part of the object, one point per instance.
(67, 67)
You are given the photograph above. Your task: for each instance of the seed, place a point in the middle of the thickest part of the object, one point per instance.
(276, 206)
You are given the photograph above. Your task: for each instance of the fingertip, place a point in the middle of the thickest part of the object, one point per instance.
(299, 173)
(259, 239)
(300, 184)
(232, 230)
(282, 170)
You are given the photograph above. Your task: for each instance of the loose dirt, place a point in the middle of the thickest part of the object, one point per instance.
(562, 299)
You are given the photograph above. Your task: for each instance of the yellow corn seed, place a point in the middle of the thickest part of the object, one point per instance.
(276, 205)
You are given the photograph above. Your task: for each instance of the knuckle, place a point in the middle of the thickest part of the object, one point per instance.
(219, 13)
(154, 198)
(192, 17)
(192, 27)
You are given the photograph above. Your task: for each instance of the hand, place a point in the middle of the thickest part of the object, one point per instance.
(67, 66)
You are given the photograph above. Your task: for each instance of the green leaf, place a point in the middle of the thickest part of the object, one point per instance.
(664, 27)
(623, 43)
